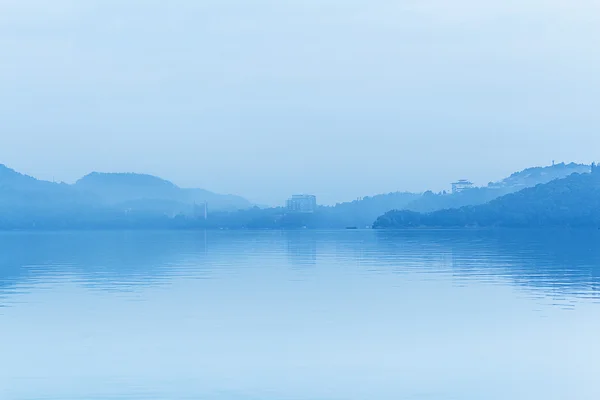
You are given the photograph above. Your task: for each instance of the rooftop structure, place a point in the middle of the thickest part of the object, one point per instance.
(461, 185)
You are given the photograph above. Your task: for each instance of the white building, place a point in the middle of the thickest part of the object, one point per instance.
(304, 203)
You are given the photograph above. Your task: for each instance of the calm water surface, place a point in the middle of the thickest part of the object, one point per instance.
(300, 315)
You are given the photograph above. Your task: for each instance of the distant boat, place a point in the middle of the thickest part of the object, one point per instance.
(351, 227)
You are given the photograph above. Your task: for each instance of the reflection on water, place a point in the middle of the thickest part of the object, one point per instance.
(300, 315)
(555, 262)
(301, 248)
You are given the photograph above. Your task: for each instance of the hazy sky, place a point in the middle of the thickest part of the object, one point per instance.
(340, 98)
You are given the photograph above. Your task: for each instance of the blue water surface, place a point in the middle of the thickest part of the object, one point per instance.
(300, 315)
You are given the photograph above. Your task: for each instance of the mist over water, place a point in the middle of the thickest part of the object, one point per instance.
(416, 314)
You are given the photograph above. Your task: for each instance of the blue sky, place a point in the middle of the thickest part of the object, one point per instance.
(267, 98)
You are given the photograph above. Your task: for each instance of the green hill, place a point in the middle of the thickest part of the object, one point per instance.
(518, 181)
(101, 200)
(569, 202)
(140, 191)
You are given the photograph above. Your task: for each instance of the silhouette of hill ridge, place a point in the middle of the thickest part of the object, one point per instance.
(131, 188)
(100, 200)
(573, 201)
(480, 195)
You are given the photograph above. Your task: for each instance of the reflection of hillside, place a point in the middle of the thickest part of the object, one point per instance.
(557, 263)
(126, 258)
(301, 248)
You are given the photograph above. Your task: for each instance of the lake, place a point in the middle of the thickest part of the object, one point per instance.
(300, 315)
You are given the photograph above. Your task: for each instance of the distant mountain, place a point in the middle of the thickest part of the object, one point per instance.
(534, 176)
(127, 190)
(573, 201)
(481, 195)
(11, 178)
(137, 201)
(102, 201)
(26, 202)
(117, 188)
(363, 212)
(22, 191)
